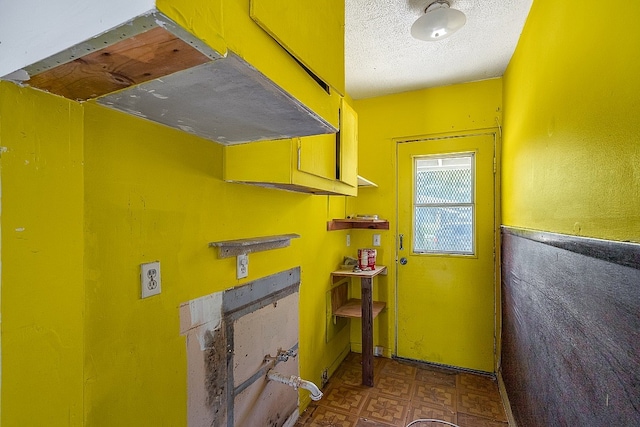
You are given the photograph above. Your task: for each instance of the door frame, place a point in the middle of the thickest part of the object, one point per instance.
(496, 133)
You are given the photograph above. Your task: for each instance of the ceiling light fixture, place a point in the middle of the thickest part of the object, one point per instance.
(438, 22)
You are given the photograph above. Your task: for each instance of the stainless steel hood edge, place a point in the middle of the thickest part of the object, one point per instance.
(226, 100)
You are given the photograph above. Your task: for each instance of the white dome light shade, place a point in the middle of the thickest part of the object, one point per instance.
(438, 22)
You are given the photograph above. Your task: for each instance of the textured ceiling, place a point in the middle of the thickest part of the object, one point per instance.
(382, 58)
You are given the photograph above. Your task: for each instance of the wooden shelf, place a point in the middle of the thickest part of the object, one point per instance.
(229, 248)
(343, 224)
(353, 309)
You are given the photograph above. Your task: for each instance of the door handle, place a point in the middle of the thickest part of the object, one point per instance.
(401, 236)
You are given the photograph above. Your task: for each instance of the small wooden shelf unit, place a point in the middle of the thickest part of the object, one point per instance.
(367, 311)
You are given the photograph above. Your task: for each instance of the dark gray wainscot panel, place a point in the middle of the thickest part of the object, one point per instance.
(571, 329)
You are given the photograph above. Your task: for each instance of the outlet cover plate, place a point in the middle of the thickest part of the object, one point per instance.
(242, 266)
(150, 279)
(376, 240)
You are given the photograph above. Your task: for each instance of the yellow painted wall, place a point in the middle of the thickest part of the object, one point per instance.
(153, 193)
(148, 193)
(382, 120)
(42, 250)
(571, 159)
(89, 194)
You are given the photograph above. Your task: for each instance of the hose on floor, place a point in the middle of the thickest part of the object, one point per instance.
(427, 420)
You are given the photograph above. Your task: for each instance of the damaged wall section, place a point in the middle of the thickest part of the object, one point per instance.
(233, 338)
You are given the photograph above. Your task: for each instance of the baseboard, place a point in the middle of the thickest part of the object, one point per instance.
(291, 421)
(505, 401)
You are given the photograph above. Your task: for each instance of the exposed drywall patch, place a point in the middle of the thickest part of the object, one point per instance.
(201, 322)
(266, 403)
(198, 407)
(206, 310)
(215, 364)
(265, 325)
(266, 331)
(233, 338)
(201, 316)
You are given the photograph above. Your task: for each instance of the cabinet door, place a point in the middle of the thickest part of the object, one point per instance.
(317, 155)
(312, 31)
(348, 146)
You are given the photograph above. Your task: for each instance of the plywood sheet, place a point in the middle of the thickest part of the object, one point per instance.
(146, 56)
(339, 296)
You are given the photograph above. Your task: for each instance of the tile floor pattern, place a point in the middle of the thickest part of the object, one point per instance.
(403, 392)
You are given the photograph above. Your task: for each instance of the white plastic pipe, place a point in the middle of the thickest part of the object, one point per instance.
(295, 382)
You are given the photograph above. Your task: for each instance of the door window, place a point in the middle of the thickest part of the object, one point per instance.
(444, 204)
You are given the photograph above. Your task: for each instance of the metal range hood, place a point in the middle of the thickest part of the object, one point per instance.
(152, 68)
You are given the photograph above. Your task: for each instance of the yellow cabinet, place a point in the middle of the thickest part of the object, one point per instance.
(322, 164)
(348, 145)
(313, 32)
(207, 68)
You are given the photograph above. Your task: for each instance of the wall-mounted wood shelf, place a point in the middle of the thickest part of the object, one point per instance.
(343, 224)
(229, 248)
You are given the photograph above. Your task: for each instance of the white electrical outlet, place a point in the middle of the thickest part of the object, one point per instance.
(150, 279)
(242, 266)
(348, 239)
(376, 240)
(378, 350)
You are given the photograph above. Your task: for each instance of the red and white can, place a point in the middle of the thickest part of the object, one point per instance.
(367, 259)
